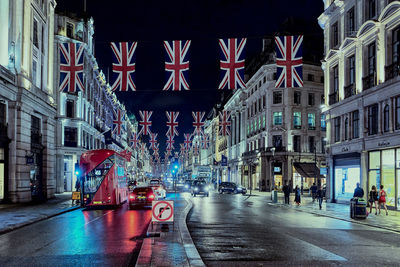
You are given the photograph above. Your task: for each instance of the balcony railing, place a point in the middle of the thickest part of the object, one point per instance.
(392, 71)
(333, 98)
(349, 90)
(369, 81)
(7, 75)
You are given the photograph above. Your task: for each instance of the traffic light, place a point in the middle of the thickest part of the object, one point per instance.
(77, 169)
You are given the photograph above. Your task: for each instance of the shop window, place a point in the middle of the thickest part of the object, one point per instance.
(386, 118)
(297, 120)
(373, 119)
(296, 143)
(297, 97)
(356, 124)
(311, 99)
(277, 118)
(388, 172)
(311, 121)
(337, 129)
(277, 98)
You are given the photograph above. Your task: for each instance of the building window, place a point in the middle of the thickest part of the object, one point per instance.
(277, 141)
(337, 129)
(277, 98)
(278, 118)
(34, 72)
(311, 121)
(398, 113)
(35, 37)
(351, 26)
(335, 35)
(35, 130)
(311, 99)
(264, 100)
(296, 143)
(371, 58)
(310, 77)
(323, 122)
(297, 120)
(70, 108)
(259, 104)
(311, 144)
(323, 144)
(352, 69)
(2, 114)
(371, 9)
(264, 79)
(356, 124)
(396, 46)
(70, 30)
(335, 79)
(373, 119)
(386, 119)
(297, 97)
(346, 129)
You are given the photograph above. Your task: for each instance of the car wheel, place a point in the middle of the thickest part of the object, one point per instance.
(194, 195)
(220, 191)
(207, 194)
(235, 191)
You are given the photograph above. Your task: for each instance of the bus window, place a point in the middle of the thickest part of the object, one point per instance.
(94, 178)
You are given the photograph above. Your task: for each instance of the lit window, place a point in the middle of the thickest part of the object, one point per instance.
(277, 118)
(311, 121)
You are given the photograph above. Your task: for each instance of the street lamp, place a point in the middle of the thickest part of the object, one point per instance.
(272, 187)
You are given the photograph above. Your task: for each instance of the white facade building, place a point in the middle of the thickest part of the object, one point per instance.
(361, 65)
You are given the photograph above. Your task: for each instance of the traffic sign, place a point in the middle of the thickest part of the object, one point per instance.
(162, 211)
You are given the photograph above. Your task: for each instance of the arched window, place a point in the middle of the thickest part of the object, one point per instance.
(346, 129)
(386, 119)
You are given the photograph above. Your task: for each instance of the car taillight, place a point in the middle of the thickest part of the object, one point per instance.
(85, 199)
(109, 198)
(132, 196)
(151, 196)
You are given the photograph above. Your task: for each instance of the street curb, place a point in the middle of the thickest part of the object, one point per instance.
(338, 218)
(192, 254)
(18, 226)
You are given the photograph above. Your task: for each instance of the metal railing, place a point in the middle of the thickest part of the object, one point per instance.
(333, 98)
(349, 90)
(369, 81)
(392, 71)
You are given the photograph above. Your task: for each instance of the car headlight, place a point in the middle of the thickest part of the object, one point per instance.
(206, 188)
(196, 189)
(186, 186)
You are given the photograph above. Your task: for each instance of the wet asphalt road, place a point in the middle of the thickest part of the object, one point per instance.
(234, 230)
(78, 238)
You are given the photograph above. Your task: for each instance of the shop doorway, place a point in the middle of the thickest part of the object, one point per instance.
(68, 173)
(36, 178)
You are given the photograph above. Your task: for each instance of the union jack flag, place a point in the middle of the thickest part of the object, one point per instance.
(232, 63)
(124, 54)
(133, 142)
(289, 61)
(143, 148)
(170, 142)
(187, 141)
(153, 140)
(182, 149)
(145, 122)
(167, 154)
(118, 121)
(156, 147)
(172, 123)
(205, 141)
(224, 123)
(71, 67)
(198, 122)
(196, 149)
(177, 65)
(176, 155)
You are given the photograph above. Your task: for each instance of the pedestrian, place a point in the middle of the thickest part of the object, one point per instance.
(320, 196)
(358, 192)
(313, 190)
(286, 192)
(382, 200)
(373, 199)
(297, 195)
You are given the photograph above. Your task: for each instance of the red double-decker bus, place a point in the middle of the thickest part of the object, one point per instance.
(104, 178)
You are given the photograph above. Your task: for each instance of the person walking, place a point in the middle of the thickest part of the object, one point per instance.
(286, 192)
(382, 200)
(358, 192)
(297, 194)
(320, 196)
(373, 199)
(313, 190)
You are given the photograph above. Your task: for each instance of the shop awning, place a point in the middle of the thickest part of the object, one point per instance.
(308, 170)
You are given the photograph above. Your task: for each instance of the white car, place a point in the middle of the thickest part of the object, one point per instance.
(158, 188)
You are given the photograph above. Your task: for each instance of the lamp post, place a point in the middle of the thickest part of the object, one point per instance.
(272, 187)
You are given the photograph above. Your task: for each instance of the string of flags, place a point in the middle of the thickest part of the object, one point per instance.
(289, 63)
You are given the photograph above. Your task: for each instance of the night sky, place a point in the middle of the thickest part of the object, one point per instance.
(149, 22)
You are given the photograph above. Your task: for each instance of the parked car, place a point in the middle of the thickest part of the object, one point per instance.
(229, 187)
(188, 185)
(200, 187)
(141, 197)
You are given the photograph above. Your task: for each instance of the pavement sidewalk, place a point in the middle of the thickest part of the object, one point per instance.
(337, 211)
(170, 248)
(14, 216)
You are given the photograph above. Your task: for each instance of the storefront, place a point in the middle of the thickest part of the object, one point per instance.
(305, 174)
(384, 169)
(347, 173)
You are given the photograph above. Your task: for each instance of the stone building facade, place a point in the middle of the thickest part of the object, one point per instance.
(362, 108)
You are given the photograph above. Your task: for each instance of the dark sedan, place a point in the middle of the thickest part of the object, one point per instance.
(229, 187)
(200, 187)
(141, 197)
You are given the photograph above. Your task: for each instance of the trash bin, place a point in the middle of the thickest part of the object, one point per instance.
(358, 208)
(274, 196)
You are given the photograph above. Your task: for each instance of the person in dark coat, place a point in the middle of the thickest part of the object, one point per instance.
(297, 194)
(320, 196)
(313, 190)
(358, 192)
(286, 192)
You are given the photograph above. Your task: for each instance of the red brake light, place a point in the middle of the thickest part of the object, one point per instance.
(109, 198)
(132, 196)
(151, 196)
